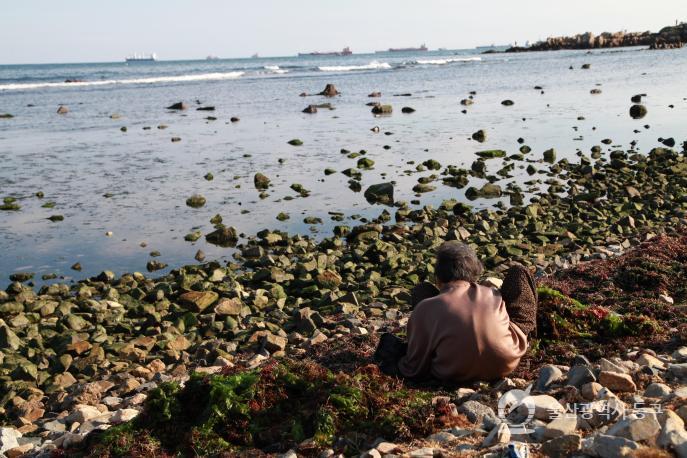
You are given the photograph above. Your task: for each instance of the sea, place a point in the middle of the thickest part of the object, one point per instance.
(122, 192)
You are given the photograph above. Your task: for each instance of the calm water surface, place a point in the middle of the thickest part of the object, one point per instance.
(76, 159)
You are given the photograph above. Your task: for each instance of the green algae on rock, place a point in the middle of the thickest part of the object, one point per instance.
(380, 193)
(196, 201)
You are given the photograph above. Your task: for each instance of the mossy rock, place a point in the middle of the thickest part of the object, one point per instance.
(196, 201)
(261, 182)
(295, 142)
(491, 154)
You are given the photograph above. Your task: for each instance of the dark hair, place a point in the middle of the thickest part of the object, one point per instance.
(457, 261)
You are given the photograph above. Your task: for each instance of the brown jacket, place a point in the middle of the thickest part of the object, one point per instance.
(462, 334)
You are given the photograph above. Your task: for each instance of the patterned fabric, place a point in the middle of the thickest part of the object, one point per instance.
(519, 291)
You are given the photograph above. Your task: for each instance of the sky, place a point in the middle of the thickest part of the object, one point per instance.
(37, 31)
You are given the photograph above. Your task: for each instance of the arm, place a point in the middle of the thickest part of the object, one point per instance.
(416, 363)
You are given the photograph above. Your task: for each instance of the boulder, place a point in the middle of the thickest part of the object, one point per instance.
(480, 136)
(382, 193)
(224, 236)
(408, 110)
(198, 301)
(62, 110)
(382, 109)
(638, 111)
(260, 181)
(178, 106)
(329, 91)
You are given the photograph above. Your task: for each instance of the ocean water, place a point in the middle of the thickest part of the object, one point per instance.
(78, 158)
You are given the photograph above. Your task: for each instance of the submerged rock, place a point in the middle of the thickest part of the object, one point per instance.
(260, 181)
(382, 193)
(329, 91)
(195, 201)
(492, 153)
(224, 236)
(638, 111)
(178, 106)
(62, 110)
(480, 136)
(382, 109)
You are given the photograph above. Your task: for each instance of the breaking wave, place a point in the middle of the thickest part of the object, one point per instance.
(275, 69)
(447, 61)
(149, 80)
(374, 65)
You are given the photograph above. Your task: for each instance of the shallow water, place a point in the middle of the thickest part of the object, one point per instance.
(77, 158)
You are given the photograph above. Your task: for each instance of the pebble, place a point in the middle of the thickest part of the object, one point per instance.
(657, 390)
(564, 425)
(562, 446)
(636, 429)
(548, 375)
(579, 376)
(612, 447)
(546, 407)
(498, 435)
(124, 415)
(617, 381)
(8, 439)
(479, 413)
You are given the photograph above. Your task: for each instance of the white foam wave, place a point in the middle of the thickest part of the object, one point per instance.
(275, 69)
(150, 80)
(448, 60)
(374, 65)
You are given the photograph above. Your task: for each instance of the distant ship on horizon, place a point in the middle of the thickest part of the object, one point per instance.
(141, 58)
(344, 52)
(212, 57)
(422, 48)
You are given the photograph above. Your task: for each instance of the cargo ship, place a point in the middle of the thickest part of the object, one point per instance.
(344, 52)
(141, 58)
(422, 48)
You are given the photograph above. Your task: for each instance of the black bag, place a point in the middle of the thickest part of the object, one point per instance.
(389, 351)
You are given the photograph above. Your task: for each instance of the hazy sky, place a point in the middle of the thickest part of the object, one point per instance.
(108, 30)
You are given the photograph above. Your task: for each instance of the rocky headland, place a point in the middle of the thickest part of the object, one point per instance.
(667, 38)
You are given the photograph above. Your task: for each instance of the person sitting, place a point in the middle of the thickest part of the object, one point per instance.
(467, 331)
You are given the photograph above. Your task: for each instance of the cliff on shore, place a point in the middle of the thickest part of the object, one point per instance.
(667, 38)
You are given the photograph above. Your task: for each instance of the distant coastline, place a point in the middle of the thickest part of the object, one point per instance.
(667, 38)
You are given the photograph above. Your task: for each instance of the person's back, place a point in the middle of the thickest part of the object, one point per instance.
(462, 334)
(467, 331)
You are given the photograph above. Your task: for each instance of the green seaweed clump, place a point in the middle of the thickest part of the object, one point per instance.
(272, 409)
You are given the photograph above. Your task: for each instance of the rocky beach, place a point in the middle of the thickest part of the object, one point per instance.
(264, 345)
(667, 38)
